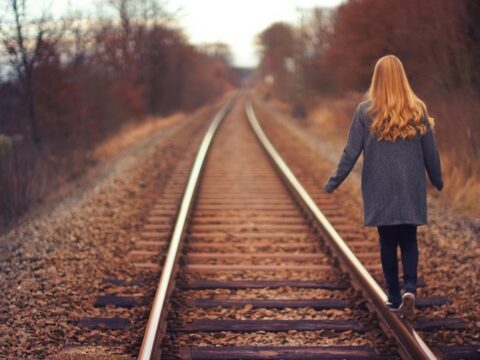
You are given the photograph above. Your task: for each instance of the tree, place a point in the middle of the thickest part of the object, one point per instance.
(23, 39)
(277, 47)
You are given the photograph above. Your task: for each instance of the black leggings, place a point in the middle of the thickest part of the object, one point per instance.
(391, 236)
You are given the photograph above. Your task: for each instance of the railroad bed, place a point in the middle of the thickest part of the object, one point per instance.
(253, 268)
(252, 272)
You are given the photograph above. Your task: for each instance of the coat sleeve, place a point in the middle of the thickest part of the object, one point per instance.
(431, 157)
(351, 152)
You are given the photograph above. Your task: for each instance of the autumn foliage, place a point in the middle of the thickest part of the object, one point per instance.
(70, 83)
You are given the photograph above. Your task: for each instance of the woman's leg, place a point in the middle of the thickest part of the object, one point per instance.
(409, 249)
(388, 254)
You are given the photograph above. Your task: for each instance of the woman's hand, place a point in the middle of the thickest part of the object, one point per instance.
(328, 187)
(350, 153)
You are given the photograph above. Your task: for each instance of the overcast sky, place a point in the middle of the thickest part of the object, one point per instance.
(230, 21)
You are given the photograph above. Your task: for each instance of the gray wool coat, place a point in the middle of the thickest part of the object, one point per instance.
(393, 174)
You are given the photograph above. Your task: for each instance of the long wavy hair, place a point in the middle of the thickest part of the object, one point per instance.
(395, 110)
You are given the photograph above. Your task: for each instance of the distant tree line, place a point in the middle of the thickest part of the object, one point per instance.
(68, 83)
(438, 41)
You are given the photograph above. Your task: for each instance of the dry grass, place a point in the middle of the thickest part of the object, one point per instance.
(462, 190)
(131, 133)
(29, 178)
(331, 117)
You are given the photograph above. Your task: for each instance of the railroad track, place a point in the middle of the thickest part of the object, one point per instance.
(254, 265)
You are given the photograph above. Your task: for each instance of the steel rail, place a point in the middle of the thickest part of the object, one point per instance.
(410, 343)
(150, 348)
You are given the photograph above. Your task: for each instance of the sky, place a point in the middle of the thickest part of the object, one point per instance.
(238, 22)
(230, 21)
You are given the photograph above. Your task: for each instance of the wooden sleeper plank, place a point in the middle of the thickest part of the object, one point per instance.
(269, 304)
(280, 352)
(295, 256)
(208, 268)
(113, 323)
(219, 325)
(115, 300)
(259, 284)
(433, 324)
(122, 283)
(451, 352)
(432, 301)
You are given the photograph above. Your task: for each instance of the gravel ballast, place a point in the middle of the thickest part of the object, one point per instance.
(54, 266)
(449, 245)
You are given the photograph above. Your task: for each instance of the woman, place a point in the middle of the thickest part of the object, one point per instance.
(393, 129)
